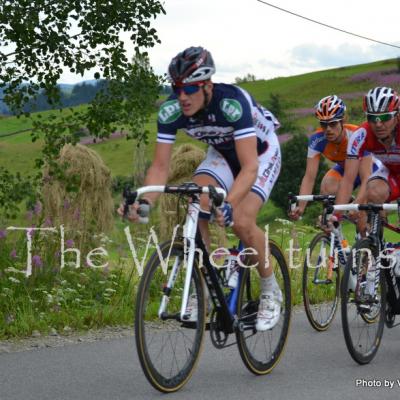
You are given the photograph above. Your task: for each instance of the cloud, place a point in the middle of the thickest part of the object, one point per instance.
(311, 55)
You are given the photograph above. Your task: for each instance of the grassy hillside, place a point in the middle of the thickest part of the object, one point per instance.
(299, 94)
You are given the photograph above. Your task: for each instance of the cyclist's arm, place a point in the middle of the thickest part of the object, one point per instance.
(246, 150)
(351, 168)
(157, 174)
(307, 184)
(365, 170)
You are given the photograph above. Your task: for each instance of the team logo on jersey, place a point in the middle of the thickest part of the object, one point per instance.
(358, 140)
(169, 112)
(232, 109)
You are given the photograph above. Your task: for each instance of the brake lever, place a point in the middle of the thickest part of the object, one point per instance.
(217, 198)
(292, 202)
(327, 213)
(129, 199)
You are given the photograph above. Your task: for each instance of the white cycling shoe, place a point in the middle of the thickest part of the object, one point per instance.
(269, 310)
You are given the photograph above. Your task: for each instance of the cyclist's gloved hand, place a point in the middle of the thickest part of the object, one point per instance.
(296, 213)
(143, 211)
(138, 212)
(226, 216)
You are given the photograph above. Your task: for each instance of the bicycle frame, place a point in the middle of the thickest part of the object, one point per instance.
(169, 346)
(193, 243)
(336, 235)
(374, 236)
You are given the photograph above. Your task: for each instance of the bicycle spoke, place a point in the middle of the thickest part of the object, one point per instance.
(362, 331)
(320, 297)
(260, 351)
(168, 350)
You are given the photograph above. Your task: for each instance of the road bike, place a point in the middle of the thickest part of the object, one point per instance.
(168, 341)
(326, 255)
(369, 298)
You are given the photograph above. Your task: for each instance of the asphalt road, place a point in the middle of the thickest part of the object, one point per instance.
(314, 366)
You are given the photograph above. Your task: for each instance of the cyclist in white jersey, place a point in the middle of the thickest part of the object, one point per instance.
(243, 157)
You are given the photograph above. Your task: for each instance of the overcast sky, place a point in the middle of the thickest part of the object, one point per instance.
(246, 36)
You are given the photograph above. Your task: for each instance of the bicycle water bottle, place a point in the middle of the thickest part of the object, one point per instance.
(371, 280)
(232, 268)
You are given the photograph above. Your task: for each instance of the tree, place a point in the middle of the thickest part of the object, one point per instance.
(42, 38)
(278, 108)
(47, 36)
(247, 78)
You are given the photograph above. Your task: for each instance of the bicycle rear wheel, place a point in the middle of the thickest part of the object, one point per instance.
(362, 317)
(168, 348)
(320, 284)
(261, 351)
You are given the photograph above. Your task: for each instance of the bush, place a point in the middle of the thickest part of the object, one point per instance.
(119, 183)
(294, 159)
(278, 107)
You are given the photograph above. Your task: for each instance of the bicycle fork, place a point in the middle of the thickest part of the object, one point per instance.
(322, 259)
(189, 234)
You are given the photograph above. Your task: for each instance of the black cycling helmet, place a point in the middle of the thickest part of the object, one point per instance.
(193, 64)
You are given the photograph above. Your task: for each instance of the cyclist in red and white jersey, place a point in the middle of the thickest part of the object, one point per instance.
(331, 141)
(380, 136)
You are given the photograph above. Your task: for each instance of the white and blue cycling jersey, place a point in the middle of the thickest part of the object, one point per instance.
(232, 114)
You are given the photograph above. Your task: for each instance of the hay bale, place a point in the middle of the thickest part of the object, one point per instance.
(184, 161)
(89, 210)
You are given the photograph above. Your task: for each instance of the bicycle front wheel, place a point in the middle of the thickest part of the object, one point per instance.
(363, 315)
(168, 347)
(261, 351)
(320, 284)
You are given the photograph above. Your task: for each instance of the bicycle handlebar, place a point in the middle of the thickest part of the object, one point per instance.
(311, 197)
(365, 207)
(217, 195)
(329, 206)
(294, 199)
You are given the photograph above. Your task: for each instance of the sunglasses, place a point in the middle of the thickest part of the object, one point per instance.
(374, 118)
(325, 124)
(187, 89)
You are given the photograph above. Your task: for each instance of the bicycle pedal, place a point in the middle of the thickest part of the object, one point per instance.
(189, 324)
(322, 281)
(364, 308)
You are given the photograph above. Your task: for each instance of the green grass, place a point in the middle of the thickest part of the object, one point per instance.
(17, 153)
(304, 90)
(301, 91)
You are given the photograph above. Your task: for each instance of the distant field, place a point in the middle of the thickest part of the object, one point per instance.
(300, 93)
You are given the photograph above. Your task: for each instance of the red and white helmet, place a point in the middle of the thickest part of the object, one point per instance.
(381, 100)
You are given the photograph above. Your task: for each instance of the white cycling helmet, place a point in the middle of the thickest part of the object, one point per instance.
(381, 100)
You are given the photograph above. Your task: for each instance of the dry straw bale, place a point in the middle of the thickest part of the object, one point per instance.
(90, 209)
(184, 161)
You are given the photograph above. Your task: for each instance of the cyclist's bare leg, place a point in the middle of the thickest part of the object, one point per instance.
(245, 227)
(378, 191)
(205, 180)
(329, 185)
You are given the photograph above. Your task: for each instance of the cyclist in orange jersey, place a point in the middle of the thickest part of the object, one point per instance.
(331, 141)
